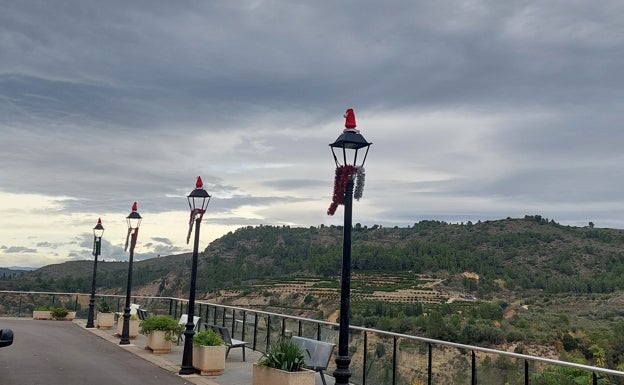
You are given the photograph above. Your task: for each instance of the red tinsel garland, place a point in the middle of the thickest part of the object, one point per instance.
(343, 173)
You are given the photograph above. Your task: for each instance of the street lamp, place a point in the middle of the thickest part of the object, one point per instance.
(198, 202)
(134, 221)
(98, 231)
(347, 175)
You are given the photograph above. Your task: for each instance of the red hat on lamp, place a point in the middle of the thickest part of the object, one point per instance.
(350, 120)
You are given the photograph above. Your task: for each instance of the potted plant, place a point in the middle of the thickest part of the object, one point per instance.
(105, 316)
(43, 312)
(63, 314)
(209, 353)
(283, 364)
(161, 331)
(133, 330)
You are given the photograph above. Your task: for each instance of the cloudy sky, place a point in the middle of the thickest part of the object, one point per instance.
(477, 110)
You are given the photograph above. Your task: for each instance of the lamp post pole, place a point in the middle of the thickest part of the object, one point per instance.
(198, 202)
(349, 177)
(134, 220)
(98, 231)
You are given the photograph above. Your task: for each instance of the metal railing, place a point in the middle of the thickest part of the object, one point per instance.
(377, 357)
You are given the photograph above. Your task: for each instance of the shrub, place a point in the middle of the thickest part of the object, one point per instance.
(284, 355)
(208, 338)
(104, 307)
(164, 323)
(60, 312)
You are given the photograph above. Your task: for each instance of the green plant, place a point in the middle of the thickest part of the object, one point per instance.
(104, 307)
(60, 312)
(284, 355)
(44, 308)
(164, 323)
(208, 338)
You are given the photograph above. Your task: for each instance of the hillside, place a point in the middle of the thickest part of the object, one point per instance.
(483, 258)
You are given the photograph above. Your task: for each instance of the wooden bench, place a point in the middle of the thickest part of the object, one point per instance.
(229, 341)
(317, 354)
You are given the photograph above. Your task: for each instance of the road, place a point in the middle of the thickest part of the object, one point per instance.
(62, 353)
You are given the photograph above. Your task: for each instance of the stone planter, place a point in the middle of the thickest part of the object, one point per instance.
(133, 330)
(105, 321)
(69, 317)
(158, 343)
(42, 314)
(263, 375)
(209, 360)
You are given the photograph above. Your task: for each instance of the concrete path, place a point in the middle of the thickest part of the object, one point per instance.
(66, 353)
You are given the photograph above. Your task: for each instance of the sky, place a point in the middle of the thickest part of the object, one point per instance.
(477, 110)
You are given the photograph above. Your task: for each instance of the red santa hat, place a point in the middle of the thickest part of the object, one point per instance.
(350, 120)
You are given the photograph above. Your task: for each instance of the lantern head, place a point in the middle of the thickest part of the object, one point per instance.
(351, 140)
(198, 199)
(134, 218)
(98, 230)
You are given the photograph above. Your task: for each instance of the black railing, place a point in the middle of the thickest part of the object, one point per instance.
(378, 357)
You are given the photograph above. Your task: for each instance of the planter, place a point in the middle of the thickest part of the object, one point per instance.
(133, 330)
(209, 360)
(158, 343)
(42, 314)
(263, 375)
(69, 317)
(105, 321)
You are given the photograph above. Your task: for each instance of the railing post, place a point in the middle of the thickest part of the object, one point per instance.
(268, 339)
(300, 331)
(474, 368)
(19, 309)
(364, 358)
(234, 321)
(526, 372)
(594, 378)
(430, 364)
(244, 325)
(255, 333)
(394, 359)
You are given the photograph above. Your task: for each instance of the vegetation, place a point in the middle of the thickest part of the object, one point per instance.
(208, 338)
(104, 307)
(60, 312)
(284, 355)
(163, 323)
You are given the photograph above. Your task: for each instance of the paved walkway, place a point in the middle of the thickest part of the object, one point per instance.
(237, 371)
(58, 352)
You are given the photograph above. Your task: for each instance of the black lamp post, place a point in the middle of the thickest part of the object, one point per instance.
(134, 221)
(350, 141)
(98, 231)
(198, 201)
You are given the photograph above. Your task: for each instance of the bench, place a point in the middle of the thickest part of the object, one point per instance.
(316, 353)
(229, 341)
(143, 314)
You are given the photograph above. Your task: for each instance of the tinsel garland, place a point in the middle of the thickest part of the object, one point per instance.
(359, 183)
(341, 179)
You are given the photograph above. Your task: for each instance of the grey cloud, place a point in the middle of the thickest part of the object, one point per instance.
(19, 249)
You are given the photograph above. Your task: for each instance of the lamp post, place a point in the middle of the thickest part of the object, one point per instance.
(98, 231)
(134, 221)
(198, 201)
(348, 173)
